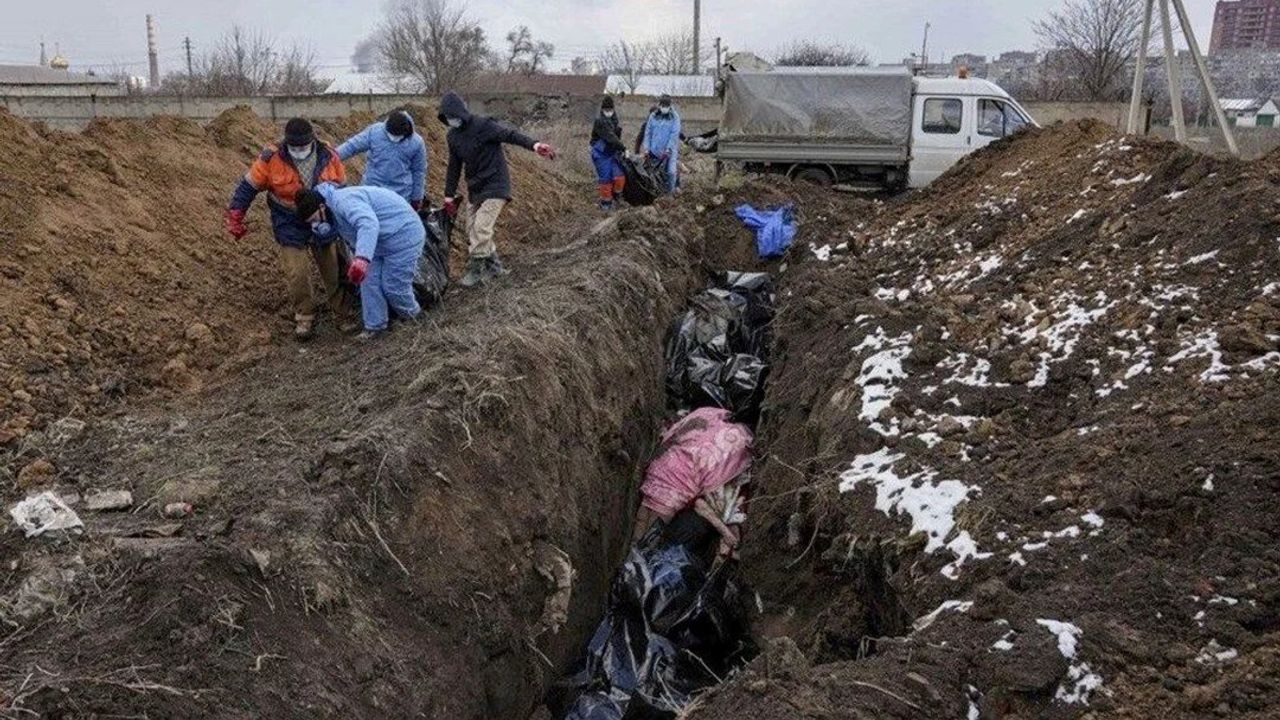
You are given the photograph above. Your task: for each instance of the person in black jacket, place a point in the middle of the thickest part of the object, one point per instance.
(475, 146)
(606, 151)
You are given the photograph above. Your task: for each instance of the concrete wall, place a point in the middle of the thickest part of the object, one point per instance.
(74, 113)
(63, 90)
(1047, 113)
(1254, 142)
(699, 114)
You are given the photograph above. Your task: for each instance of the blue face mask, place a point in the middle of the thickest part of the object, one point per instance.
(321, 227)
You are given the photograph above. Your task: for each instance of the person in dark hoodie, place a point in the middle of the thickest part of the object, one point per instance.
(606, 151)
(475, 146)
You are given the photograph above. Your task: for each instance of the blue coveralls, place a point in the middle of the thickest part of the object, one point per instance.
(662, 135)
(397, 166)
(381, 227)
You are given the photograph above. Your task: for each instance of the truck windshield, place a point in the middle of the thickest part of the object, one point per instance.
(998, 119)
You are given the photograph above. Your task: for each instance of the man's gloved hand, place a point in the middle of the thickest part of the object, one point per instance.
(358, 270)
(416, 204)
(451, 207)
(545, 150)
(235, 223)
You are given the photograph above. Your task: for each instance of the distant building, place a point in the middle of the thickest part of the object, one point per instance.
(358, 83)
(1250, 112)
(969, 60)
(54, 81)
(1245, 25)
(676, 85)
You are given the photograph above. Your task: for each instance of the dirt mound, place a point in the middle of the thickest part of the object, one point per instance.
(378, 528)
(1020, 446)
(118, 279)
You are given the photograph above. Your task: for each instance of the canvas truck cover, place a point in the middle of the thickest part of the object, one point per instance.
(862, 107)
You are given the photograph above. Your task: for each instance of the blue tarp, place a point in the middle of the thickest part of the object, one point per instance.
(775, 229)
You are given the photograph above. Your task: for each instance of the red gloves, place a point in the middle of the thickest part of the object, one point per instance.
(416, 204)
(451, 207)
(545, 150)
(358, 270)
(235, 223)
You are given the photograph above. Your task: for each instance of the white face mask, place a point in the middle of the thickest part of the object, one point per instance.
(395, 138)
(608, 113)
(300, 153)
(455, 122)
(664, 110)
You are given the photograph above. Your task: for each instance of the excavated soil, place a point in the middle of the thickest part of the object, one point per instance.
(1020, 446)
(117, 280)
(421, 527)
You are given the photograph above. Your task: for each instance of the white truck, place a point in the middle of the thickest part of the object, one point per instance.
(884, 127)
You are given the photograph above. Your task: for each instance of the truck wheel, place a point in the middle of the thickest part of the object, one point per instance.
(813, 176)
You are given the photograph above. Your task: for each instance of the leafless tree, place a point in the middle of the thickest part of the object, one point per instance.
(248, 63)
(672, 54)
(434, 42)
(1090, 43)
(525, 55)
(628, 60)
(808, 53)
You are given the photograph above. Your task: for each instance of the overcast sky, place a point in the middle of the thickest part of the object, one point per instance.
(106, 32)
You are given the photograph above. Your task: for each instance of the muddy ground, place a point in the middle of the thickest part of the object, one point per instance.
(1020, 447)
(1016, 459)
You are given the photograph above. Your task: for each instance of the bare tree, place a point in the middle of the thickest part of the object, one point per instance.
(672, 54)
(628, 60)
(434, 42)
(248, 63)
(1091, 42)
(525, 55)
(808, 53)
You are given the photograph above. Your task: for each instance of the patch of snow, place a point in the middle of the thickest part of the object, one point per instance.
(1199, 259)
(1017, 559)
(960, 606)
(880, 375)
(1208, 484)
(1080, 214)
(1068, 636)
(821, 253)
(1084, 682)
(1216, 654)
(1175, 195)
(1203, 345)
(1048, 499)
(1092, 519)
(1223, 600)
(1139, 178)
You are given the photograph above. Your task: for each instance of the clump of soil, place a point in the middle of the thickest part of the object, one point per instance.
(1019, 446)
(379, 529)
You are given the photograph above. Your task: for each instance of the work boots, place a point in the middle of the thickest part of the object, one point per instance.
(481, 269)
(475, 272)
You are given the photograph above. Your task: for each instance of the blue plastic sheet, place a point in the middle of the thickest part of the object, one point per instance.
(775, 229)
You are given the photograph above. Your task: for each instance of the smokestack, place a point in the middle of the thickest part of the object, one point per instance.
(153, 57)
(697, 37)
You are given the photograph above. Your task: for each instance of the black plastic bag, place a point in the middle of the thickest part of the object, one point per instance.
(431, 278)
(717, 352)
(668, 612)
(643, 187)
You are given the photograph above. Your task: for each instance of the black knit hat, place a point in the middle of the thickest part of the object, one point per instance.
(298, 132)
(607, 103)
(306, 203)
(664, 101)
(399, 123)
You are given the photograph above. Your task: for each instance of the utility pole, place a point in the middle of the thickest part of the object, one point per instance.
(44, 59)
(186, 43)
(697, 37)
(924, 49)
(1139, 74)
(1174, 71)
(719, 60)
(153, 56)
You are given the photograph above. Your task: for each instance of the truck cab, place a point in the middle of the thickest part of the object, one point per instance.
(953, 117)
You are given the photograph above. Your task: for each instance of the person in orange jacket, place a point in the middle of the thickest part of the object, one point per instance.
(300, 162)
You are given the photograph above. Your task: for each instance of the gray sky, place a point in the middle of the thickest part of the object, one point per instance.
(105, 32)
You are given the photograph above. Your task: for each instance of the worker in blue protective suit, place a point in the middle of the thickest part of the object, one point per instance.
(662, 140)
(607, 150)
(397, 156)
(386, 238)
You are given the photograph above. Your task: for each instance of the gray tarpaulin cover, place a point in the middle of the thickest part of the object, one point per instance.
(866, 107)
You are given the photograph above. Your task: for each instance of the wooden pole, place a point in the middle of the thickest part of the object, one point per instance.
(1174, 70)
(1205, 80)
(1139, 74)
